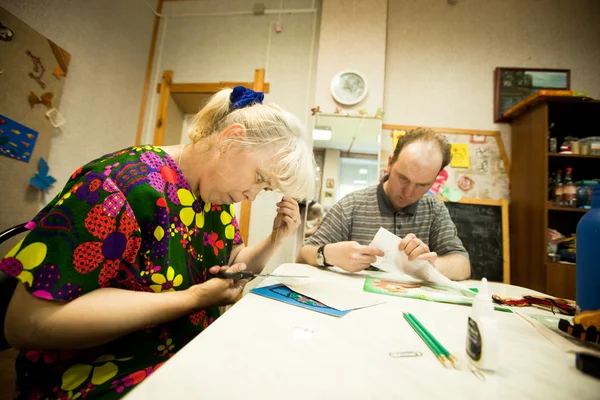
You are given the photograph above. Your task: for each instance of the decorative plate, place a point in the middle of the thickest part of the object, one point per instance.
(349, 87)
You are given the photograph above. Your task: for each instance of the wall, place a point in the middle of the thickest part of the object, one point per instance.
(20, 201)
(109, 42)
(352, 36)
(441, 58)
(215, 48)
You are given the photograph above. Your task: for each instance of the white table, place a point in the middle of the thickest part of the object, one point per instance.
(265, 349)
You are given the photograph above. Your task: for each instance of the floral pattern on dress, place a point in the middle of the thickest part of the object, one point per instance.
(112, 247)
(111, 227)
(20, 262)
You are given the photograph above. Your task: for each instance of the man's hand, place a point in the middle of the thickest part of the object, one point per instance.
(416, 249)
(351, 256)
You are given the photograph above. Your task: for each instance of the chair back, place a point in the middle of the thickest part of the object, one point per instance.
(7, 284)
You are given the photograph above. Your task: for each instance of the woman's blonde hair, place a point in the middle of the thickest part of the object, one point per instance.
(268, 127)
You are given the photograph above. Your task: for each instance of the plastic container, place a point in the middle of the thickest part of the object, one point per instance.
(588, 257)
(482, 331)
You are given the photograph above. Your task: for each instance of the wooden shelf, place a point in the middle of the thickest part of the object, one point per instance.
(572, 209)
(560, 279)
(573, 155)
(560, 264)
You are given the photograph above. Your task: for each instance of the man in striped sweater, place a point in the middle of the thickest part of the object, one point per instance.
(399, 204)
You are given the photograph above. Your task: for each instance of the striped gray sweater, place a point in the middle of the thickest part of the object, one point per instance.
(359, 215)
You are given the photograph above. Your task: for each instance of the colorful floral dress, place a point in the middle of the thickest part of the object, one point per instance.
(127, 220)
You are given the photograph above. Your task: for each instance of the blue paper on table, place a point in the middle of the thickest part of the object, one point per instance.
(285, 294)
(16, 141)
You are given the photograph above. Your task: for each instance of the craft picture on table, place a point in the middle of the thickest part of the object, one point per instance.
(511, 85)
(284, 294)
(16, 141)
(41, 180)
(421, 291)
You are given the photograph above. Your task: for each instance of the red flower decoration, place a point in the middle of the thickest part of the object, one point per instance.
(212, 241)
(114, 247)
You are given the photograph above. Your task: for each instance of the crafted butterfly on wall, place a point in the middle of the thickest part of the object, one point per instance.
(41, 180)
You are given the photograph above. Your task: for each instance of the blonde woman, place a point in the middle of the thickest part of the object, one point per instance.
(117, 272)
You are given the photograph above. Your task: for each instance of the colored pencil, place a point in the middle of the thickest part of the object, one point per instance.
(438, 344)
(430, 343)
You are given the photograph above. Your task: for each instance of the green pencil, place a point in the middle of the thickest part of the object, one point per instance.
(438, 344)
(427, 339)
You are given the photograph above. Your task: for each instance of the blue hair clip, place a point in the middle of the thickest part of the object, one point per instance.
(243, 97)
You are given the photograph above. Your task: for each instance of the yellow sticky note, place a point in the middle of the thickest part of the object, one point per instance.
(396, 135)
(460, 156)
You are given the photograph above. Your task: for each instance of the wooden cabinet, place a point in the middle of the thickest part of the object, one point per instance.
(531, 211)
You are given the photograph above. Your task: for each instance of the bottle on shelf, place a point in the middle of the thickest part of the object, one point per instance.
(551, 183)
(569, 189)
(587, 271)
(558, 189)
(582, 195)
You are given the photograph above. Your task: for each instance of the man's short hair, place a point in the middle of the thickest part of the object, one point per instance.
(424, 135)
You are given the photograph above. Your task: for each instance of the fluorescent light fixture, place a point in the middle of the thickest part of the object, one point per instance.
(360, 182)
(363, 171)
(321, 133)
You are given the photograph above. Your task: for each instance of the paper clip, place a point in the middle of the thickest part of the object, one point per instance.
(476, 372)
(402, 354)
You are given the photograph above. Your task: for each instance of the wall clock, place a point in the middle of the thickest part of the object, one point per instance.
(349, 87)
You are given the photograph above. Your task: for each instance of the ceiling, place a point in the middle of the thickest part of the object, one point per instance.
(364, 130)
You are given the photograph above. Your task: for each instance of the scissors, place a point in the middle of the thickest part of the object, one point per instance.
(251, 275)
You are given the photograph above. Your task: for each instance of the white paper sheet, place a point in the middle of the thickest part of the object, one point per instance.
(338, 290)
(395, 260)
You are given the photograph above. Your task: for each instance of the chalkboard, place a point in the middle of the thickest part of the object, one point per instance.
(483, 229)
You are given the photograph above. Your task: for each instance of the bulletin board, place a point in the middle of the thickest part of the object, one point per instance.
(33, 71)
(480, 167)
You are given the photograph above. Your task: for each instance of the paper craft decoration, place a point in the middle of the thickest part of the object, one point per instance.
(286, 295)
(62, 57)
(41, 180)
(439, 183)
(460, 156)
(396, 136)
(55, 118)
(45, 99)
(58, 72)
(6, 34)
(421, 291)
(452, 194)
(38, 68)
(16, 141)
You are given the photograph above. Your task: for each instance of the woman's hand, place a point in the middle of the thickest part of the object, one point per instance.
(287, 219)
(218, 291)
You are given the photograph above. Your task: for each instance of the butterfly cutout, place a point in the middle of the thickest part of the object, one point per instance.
(315, 110)
(45, 99)
(42, 180)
